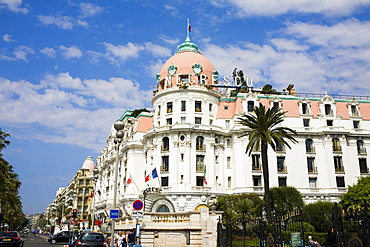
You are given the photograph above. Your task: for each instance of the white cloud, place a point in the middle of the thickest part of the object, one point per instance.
(8, 38)
(270, 8)
(62, 80)
(121, 53)
(315, 58)
(349, 33)
(169, 40)
(19, 53)
(50, 52)
(288, 45)
(157, 50)
(64, 109)
(70, 52)
(63, 22)
(14, 6)
(89, 9)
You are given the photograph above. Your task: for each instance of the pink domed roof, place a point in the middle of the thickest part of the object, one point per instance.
(183, 62)
(88, 164)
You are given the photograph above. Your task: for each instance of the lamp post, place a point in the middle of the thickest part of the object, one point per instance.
(118, 125)
(95, 178)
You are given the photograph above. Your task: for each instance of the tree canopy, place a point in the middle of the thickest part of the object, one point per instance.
(285, 200)
(357, 194)
(10, 201)
(319, 215)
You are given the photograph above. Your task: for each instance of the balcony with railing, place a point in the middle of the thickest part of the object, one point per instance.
(310, 150)
(337, 149)
(312, 169)
(361, 151)
(201, 148)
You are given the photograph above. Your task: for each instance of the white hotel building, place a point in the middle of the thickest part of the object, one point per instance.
(193, 133)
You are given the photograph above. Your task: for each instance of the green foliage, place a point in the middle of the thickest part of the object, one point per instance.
(285, 200)
(296, 227)
(10, 201)
(137, 112)
(268, 89)
(319, 214)
(232, 205)
(357, 194)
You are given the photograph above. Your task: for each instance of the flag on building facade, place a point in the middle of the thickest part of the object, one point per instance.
(152, 175)
(204, 176)
(92, 193)
(129, 180)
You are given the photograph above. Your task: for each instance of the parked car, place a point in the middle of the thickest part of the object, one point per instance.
(95, 239)
(11, 238)
(61, 237)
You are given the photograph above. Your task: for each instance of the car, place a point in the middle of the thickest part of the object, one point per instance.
(61, 237)
(95, 239)
(11, 239)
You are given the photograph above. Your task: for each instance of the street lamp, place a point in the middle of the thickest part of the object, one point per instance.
(118, 125)
(95, 178)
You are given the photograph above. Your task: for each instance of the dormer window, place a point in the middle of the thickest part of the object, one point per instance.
(328, 110)
(250, 106)
(354, 111)
(276, 104)
(305, 109)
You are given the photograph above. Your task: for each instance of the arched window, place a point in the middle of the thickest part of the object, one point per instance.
(200, 143)
(336, 144)
(165, 143)
(309, 146)
(361, 147)
(163, 209)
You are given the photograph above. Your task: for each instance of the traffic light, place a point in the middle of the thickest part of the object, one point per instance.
(74, 213)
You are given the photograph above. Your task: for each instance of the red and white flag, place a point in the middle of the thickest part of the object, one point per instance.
(129, 180)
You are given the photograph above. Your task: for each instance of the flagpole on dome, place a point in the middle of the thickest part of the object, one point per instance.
(188, 30)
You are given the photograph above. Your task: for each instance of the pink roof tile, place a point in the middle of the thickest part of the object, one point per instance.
(291, 108)
(342, 110)
(364, 109)
(144, 124)
(315, 109)
(226, 113)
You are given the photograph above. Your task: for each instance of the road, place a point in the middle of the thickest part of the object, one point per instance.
(31, 240)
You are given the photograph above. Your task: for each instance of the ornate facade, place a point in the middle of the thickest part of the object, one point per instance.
(190, 143)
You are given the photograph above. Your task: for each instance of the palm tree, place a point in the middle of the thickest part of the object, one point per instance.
(265, 130)
(245, 209)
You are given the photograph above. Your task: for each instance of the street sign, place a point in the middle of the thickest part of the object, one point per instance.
(113, 214)
(138, 214)
(138, 205)
(73, 222)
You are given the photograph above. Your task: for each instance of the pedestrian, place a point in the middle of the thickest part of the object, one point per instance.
(330, 238)
(312, 242)
(131, 237)
(121, 239)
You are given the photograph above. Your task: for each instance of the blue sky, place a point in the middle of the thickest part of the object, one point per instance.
(69, 69)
